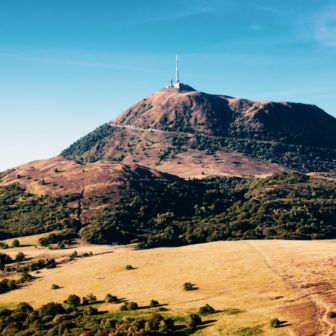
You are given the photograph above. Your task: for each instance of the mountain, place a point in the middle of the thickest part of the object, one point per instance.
(191, 133)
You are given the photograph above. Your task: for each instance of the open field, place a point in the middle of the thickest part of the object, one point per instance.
(291, 280)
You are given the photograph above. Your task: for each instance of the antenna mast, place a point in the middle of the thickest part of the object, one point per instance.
(177, 79)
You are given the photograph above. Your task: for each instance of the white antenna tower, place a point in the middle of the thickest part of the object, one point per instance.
(177, 79)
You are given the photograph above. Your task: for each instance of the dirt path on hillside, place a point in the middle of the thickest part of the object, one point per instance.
(317, 293)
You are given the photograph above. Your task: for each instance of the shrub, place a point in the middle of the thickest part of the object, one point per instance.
(73, 255)
(43, 182)
(91, 298)
(25, 277)
(73, 300)
(52, 309)
(132, 305)
(54, 286)
(56, 170)
(188, 286)
(193, 321)
(129, 267)
(274, 323)
(153, 303)
(111, 299)
(24, 307)
(331, 315)
(129, 306)
(20, 256)
(15, 243)
(85, 301)
(51, 263)
(89, 311)
(206, 309)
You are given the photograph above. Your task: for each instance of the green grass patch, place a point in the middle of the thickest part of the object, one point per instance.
(233, 311)
(249, 331)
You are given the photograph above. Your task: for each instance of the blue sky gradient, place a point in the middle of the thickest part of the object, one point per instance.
(68, 66)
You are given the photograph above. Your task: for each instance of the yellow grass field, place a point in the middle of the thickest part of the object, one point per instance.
(291, 280)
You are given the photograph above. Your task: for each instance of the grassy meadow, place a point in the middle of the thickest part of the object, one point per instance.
(247, 282)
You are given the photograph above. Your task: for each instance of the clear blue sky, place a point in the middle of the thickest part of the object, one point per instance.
(68, 66)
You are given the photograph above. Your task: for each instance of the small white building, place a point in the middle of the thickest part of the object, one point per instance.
(178, 84)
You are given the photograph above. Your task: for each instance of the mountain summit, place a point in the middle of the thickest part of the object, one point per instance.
(183, 123)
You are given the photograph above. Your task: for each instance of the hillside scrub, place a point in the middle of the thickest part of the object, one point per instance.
(159, 213)
(154, 211)
(23, 214)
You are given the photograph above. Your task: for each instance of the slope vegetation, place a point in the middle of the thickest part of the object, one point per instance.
(176, 126)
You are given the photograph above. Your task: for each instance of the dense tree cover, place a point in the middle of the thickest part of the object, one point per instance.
(159, 213)
(22, 214)
(54, 319)
(298, 157)
(92, 141)
(65, 237)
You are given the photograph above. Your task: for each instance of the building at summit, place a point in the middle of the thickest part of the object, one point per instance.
(178, 84)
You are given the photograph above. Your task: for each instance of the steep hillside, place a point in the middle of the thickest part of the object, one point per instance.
(191, 134)
(58, 193)
(198, 112)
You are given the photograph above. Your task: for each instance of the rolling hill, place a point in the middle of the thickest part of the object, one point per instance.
(191, 133)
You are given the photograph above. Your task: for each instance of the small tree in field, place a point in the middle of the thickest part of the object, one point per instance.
(188, 286)
(274, 323)
(73, 300)
(111, 298)
(15, 243)
(154, 303)
(91, 298)
(20, 256)
(206, 309)
(193, 321)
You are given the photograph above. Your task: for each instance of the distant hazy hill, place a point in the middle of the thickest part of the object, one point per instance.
(199, 133)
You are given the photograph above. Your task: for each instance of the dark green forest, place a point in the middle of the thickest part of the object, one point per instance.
(23, 214)
(156, 212)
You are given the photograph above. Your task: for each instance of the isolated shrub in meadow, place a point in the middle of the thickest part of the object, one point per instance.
(132, 305)
(73, 255)
(20, 256)
(91, 298)
(129, 267)
(193, 321)
(15, 243)
(54, 286)
(111, 298)
(73, 300)
(274, 323)
(153, 303)
(51, 263)
(206, 309)
(25, 277)
(129, 306)
(188, 286)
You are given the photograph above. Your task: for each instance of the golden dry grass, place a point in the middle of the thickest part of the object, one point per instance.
(227, 274)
